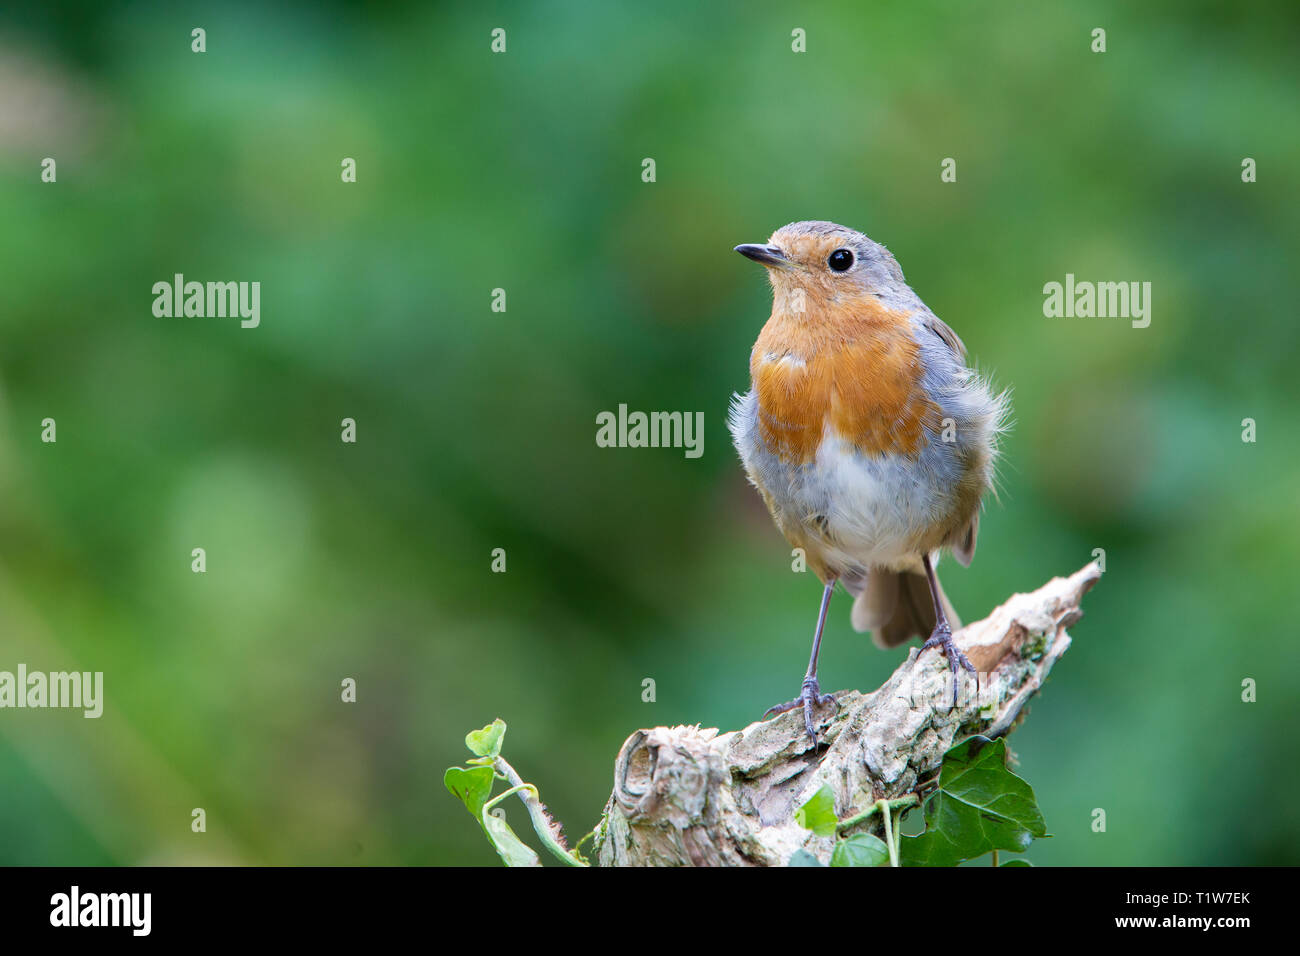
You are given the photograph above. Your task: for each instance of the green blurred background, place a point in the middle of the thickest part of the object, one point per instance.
(476, 429)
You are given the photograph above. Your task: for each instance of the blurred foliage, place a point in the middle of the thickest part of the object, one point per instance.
(476, 429)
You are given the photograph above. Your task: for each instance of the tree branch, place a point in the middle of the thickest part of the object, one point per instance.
(684, 796)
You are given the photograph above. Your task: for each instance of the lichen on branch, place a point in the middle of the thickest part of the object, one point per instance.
(686, 796)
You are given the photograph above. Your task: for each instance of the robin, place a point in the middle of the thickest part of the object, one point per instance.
(869, 438)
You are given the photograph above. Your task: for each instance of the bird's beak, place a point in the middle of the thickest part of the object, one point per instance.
(770, 256)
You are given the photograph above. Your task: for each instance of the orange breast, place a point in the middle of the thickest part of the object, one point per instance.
(858, 374)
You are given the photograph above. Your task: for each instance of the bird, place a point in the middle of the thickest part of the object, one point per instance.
(869, 438)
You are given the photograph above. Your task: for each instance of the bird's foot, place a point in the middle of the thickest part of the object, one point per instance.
(942, 638)
(810, 697)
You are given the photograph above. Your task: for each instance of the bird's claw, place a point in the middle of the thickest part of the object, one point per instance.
(942, 638)
(810, 696)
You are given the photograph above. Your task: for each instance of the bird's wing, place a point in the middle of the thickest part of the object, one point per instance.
(942, 329)
(964, 552)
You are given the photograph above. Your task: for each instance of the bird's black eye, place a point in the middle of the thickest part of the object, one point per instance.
(840, 260)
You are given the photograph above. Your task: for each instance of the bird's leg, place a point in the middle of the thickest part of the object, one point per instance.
(942, 636)
(811, 694)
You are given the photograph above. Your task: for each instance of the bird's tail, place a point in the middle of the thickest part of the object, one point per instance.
(896, 606)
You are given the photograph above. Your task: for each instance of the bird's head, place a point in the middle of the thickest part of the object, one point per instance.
(816, 266)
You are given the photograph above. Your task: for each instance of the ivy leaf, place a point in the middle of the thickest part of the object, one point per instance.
(486, 743)
(512, 850)
(818, 814)
(979, 806)
(861, 849)
(472, 787)
(803, 858)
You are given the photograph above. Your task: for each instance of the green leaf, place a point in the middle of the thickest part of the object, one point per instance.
(818, 814)
(1016, 863)
(861, 849)
(803, 858)
(979, 806)
(472, 786)
(487, 742)
(512, 850)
